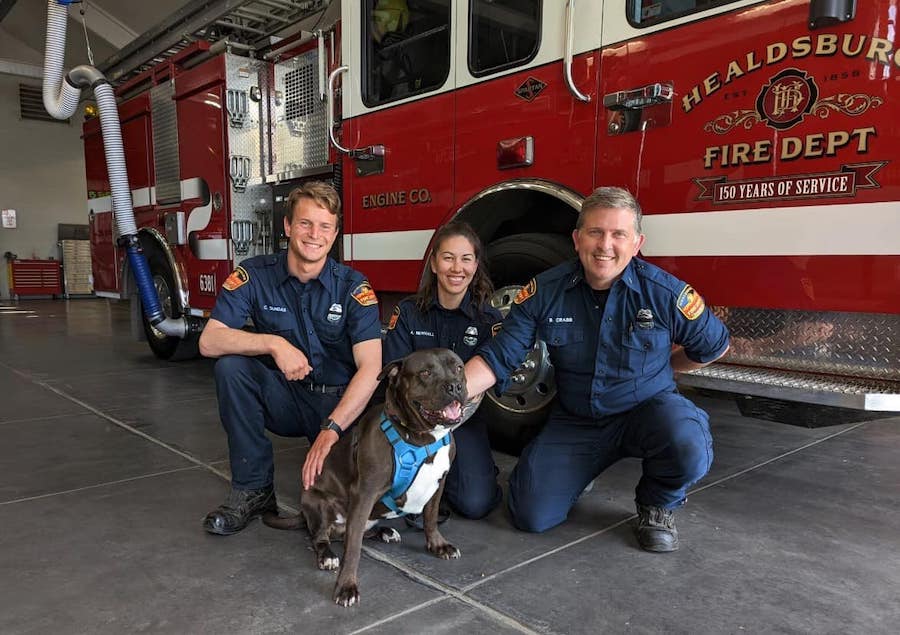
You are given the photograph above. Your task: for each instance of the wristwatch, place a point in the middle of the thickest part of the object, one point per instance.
(331, 424)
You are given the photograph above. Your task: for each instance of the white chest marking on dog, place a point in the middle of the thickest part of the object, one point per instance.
(426, 482)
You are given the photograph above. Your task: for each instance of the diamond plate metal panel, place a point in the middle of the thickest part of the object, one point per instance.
(250, 208)
(299, 133)
(848, 344)
(166, 162)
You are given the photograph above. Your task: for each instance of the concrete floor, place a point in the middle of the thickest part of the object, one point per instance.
(109, 459)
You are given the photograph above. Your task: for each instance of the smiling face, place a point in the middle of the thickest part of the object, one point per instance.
(427, 389)
(606, 242)
(311, 230)
(454, 264)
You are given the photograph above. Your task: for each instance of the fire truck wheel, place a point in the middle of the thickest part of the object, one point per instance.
(515, 418)
(165, 346)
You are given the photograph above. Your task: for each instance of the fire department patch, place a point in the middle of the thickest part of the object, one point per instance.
(364, 294)
(395, 315)
(496, 328)
(526, 292)
(690, 303)
(237, 279)
(530, 88)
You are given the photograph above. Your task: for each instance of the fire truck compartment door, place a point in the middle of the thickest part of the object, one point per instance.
(397, 105)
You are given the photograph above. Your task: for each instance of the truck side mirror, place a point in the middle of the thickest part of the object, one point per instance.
(825, 13)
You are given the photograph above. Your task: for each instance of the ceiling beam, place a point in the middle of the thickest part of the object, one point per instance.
(104, 24)
(20, 69)
(5, 6)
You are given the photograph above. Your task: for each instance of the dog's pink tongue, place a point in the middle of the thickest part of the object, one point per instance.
(452, 412)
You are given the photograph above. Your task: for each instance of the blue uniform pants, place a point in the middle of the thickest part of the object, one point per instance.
(471, 487)
(668, 432)
(255, 397)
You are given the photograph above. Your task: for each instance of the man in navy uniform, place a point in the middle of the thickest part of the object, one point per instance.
(609, 320)
(309, 368)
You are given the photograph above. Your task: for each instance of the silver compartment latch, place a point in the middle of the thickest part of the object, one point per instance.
(237, 107)
(239, 171)
(243, 234)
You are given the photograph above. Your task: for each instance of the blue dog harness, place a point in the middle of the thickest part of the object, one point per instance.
(408, 459)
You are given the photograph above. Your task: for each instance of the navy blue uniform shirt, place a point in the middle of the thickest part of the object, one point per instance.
(324, 317)
(462, 330)
(608, 358)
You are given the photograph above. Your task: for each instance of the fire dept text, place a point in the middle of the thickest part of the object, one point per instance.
(811, 146)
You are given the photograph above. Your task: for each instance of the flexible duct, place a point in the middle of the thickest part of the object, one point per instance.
(61, 96)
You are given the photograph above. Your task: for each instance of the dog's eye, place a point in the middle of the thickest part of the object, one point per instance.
(459, 368)
(425, 373)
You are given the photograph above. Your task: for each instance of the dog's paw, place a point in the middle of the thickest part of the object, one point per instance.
(346, 595)
(329, 562)
(445, 551)
(388, 534)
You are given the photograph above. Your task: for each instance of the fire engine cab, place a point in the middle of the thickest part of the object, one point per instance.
(758, 135)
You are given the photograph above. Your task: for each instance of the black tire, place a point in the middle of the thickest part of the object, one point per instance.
(516, 417)
(165, 346)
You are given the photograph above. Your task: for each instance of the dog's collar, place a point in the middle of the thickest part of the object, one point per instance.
(408, 458)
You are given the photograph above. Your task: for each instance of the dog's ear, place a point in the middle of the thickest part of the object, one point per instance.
(390, 370)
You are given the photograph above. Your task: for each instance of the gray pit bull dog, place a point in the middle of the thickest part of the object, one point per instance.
(424, 403)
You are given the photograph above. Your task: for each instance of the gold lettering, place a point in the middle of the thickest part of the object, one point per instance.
(863, 135)
(711, 153)
(846, 46)
(813, 145)
(836, 139)
(734, 71)
(740, 152)
(761, 151)
(691, 99)
(776, 52)
(826, 44)
(879, 50)
(711, 84)
(752, 64)
(801, 46)
(791, 147)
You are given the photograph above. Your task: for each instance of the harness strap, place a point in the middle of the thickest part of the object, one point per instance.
(408, 459)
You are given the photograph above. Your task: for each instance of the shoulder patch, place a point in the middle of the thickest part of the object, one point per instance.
(395, 315)
(496, 328)
(238, 278)
(365, 294)
(526, 292)
(690, 303)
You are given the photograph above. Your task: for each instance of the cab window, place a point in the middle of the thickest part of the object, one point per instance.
(649, 12)
(407, 50)
(502, 34)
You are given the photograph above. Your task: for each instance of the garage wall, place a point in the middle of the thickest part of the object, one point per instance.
(41, 170)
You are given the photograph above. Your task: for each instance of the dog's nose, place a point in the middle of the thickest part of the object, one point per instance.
(454, 388)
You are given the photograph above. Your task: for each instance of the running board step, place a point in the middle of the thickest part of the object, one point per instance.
(827, 390)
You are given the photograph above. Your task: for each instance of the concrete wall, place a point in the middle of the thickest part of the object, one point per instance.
(41, 170)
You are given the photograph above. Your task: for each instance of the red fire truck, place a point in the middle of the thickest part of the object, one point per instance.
(757, 135)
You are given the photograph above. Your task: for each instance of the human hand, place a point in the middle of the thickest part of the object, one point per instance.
(290, 360)
(315, 458)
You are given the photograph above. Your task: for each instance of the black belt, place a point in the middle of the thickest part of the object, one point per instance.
(324, 388)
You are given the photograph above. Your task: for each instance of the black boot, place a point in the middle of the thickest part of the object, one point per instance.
(241, 506)
(656, 529)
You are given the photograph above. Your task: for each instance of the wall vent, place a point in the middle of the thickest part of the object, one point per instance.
(31, 104)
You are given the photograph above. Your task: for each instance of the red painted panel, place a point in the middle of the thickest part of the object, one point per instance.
(391, 275)
(844, 79)
(203, 154)
(418, 170)
(563, 128)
